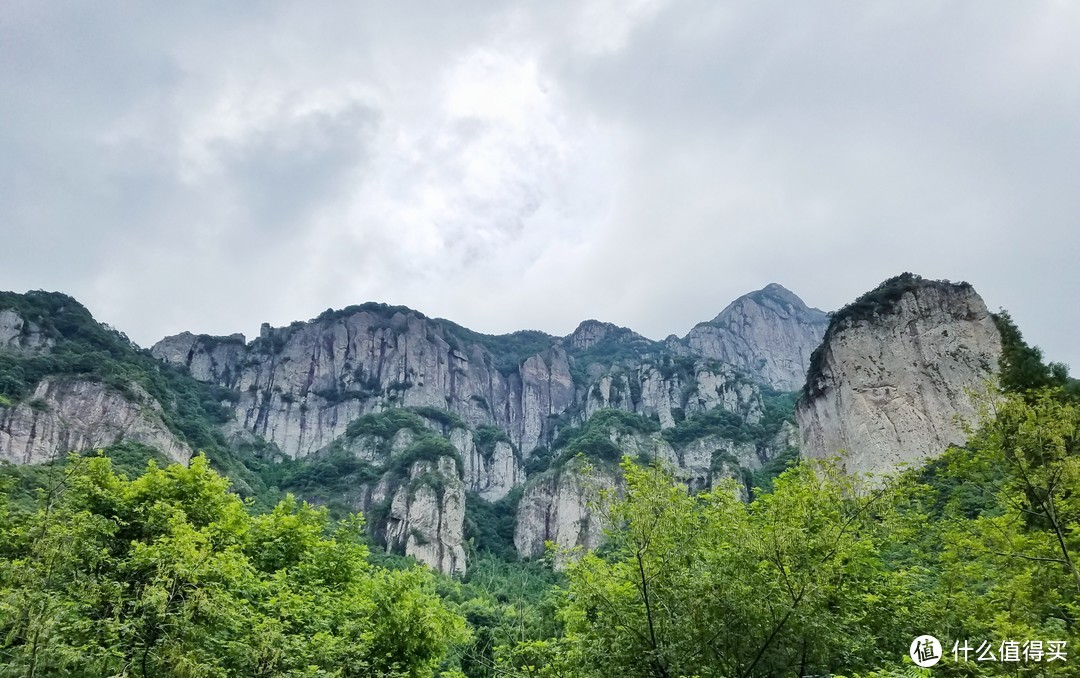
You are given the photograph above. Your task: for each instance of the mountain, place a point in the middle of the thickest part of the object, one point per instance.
(427, 428)
(416, 421)
(768, 334)
(899, 372)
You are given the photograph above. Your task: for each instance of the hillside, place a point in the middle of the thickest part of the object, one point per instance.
(667, 483)
(425, 426)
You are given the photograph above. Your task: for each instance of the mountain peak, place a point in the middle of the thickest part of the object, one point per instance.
(779, 299)
(591, 332)
(768, 333)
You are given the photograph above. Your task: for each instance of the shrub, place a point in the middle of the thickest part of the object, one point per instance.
(486, 437)
(385, 424)
(444, 418)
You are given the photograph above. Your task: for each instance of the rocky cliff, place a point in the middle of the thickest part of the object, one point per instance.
(768, 334)
(353, 399)
(65, 415)
(300, 386)
(19, 333)
(563, 504)
(897, 372)
(505, 402)
(426, 514)
(65, 386)
(402, 471)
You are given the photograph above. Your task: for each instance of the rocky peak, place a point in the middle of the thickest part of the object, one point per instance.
(592, 332)
(768, 334)
(897, 372)
(782, 301)
(589, 333)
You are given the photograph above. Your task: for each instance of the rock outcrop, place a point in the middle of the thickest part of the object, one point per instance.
(897, 372)
(301, 385)
(498, 400)
(404, 416)
(564, 507)
(490, 471)
(68, 415)
(563, 504)
(427, 514)
(768, 334)
(19, 333)
(410, 488)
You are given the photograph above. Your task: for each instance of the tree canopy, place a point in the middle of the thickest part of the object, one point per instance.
(170, 575)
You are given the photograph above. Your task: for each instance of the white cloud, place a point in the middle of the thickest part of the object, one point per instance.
(208, 167)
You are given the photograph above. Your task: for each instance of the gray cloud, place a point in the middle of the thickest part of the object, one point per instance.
(212, 166)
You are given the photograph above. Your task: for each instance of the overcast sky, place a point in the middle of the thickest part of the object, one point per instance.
(208, 166)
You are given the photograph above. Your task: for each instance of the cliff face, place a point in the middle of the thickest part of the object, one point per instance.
(402, 416)
(895, 371)
(300, 386)
(64, 415)
(768, 334)
(497, 400)
(410, 487)
(564, 507)
(18, 333)
(427, 514)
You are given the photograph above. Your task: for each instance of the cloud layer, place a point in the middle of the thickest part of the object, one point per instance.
(209, 166)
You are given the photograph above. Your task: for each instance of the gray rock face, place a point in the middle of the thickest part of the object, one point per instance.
(301, 385)
(69, 415)
(891, 385)
(17, 333)
(209, 359)
(563, 507)
(648, 391)
(493, 475)
(426, 519)
(418, 513)
(768, 334)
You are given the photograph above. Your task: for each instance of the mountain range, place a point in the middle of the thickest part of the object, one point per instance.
(449, 440)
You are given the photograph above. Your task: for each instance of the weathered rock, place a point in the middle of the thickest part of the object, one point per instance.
(427, 516)
(209, 359)
(67, 415)
(893, 381)
(768, 334)
(18, 333)
(491, 474)
(562, 506)
(301, 385)
(647, 391)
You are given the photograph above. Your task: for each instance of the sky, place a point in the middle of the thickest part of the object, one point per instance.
(209, 166)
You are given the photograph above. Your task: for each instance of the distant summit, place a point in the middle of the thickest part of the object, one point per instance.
(768, 334)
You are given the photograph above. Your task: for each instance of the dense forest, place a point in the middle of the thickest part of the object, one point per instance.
(117, 563)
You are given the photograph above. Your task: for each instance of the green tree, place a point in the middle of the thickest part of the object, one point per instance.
(1002, 549)
(169, 575)
(708, 585)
